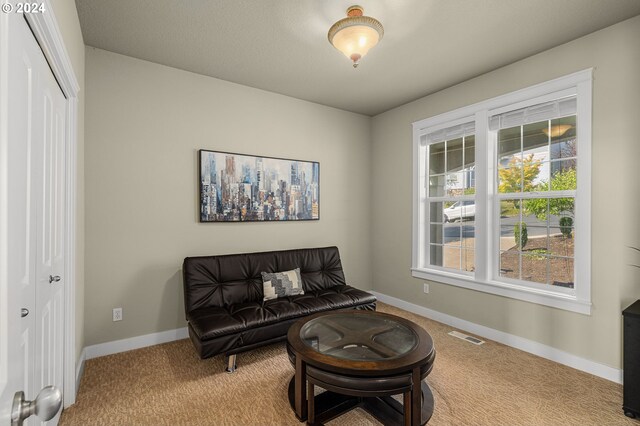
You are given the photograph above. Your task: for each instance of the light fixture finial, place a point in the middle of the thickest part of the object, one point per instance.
(356, 34)
(355, 11)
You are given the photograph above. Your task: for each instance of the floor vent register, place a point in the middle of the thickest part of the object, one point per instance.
(466, 337)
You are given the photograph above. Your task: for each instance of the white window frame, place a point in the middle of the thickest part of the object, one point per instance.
(577, 299)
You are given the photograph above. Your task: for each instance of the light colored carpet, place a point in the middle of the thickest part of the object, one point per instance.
(490, 384)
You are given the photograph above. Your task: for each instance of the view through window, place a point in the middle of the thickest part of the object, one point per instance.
(537, 179)
(503, 195)
(452, 206)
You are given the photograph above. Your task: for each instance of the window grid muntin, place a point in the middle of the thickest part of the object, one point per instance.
(446, 198)
(524, 195)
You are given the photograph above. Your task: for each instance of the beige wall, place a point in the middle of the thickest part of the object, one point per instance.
(615, 55)
(144, 125)
(67, 18)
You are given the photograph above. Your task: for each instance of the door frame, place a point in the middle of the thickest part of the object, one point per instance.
(47, 33)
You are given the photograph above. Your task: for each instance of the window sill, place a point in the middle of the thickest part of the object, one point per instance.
(540, 297)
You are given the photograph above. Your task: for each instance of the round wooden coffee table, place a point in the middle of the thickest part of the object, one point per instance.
(361, 358)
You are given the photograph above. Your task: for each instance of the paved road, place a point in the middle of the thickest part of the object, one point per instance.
(534, 226)
(452, 231)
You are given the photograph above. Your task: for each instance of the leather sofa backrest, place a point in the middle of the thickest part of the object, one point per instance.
(237, 278)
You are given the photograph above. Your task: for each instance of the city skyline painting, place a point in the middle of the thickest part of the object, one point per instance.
(245, 188)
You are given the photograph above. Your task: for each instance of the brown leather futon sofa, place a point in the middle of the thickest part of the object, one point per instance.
(224, 304)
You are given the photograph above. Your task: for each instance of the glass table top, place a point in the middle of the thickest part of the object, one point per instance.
(359, 337)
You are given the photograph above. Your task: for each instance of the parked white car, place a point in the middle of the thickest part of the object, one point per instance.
(460, 210)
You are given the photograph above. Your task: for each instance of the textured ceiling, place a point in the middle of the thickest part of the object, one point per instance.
(281, 45)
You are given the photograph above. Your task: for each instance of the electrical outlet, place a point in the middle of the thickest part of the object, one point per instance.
(117, 314)
(426, 287)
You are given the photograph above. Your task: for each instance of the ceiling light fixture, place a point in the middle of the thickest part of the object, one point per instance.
(355, 34)
(557, 130)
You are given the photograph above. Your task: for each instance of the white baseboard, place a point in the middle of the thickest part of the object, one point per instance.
(108, 348)
(80, 367)
(536, 348)
(69, 400)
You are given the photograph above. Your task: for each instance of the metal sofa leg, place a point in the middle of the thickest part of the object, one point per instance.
(231, 363)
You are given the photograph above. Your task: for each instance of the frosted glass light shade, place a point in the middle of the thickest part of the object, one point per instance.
(355, 35)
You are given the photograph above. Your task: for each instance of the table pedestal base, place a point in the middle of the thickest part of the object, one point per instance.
(329, 405)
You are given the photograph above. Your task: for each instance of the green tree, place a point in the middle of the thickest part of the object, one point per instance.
(563, 180)
(519, 174)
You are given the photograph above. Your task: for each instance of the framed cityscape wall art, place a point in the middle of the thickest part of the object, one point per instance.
(246, 188)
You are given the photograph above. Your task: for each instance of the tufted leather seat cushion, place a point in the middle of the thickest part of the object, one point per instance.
(223, 296)
(209, 323)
